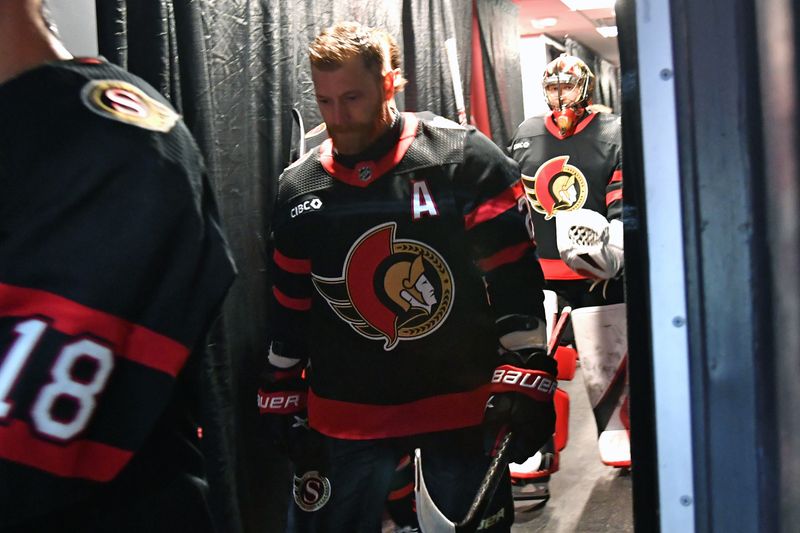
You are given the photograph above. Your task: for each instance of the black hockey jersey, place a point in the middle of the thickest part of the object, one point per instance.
(112, 265)
(582, 171)
(390, 276)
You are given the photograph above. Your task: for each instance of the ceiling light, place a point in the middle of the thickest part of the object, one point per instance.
(586, 5)
(607, 31)
(547, 22)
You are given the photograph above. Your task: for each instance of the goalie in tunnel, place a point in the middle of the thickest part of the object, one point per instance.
(571, 164)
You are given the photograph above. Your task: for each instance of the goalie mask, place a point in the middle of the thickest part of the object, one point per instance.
(568, 84)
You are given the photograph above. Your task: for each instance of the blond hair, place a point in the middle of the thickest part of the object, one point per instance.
(344, 41)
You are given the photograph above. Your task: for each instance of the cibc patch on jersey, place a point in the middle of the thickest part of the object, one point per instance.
(556, 186)
(390, 289)
(124, 102)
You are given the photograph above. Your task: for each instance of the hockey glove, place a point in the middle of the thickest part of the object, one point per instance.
(521, 400)
(589, 244)
(282, 405)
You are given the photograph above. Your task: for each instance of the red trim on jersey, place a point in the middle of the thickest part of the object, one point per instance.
(616, 176)
(504, 256)
(83, 458)
(297, 304)
(494, 206)
(88, 60)
(401, 493)
(376, 169)
(357, 421)
(128, 340)
(553, 129)
(613, 196)
(558, 269)
(293, 266)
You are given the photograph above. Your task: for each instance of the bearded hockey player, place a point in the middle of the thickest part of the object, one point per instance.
(112, 266)
(387, 239)
(571, 163)
(400, 504)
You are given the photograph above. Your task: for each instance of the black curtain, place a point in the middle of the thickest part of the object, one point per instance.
(234, 69)
(499, 35)
(426, 25)
(607, 89)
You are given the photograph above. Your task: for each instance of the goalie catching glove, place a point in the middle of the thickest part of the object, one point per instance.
(589, 244)
(521, 399)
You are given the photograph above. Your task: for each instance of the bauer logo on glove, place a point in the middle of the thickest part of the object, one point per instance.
(537, 384)
(589, 244)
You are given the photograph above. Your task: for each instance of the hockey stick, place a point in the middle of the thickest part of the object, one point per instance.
(301, 142)
(431, 519)
(455, 74)
(452, 61)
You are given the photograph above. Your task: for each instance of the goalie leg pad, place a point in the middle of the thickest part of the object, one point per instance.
(601, 339)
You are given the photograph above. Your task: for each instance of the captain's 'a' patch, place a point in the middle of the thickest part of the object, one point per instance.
(124, 102)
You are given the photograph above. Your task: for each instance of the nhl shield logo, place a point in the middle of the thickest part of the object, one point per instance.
(555, 187)
(365, 170)
(311, 491)
(390, 289)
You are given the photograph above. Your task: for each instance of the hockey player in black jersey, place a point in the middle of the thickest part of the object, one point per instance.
(403, 279)
(400, 504)
(571, 163)
(112, 265)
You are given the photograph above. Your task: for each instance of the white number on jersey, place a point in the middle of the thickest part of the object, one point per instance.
(63, 383)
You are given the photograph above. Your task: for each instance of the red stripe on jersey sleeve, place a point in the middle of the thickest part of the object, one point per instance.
(297, 304)
(558, 269)
(504, 256)
(83, 459)
(400, 493)
(616, 176)
(613, 196)
(293, 266)
(494, 206)
(357, 421)
(129, 341)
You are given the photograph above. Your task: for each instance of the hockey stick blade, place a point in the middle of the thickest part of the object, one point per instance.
(431, 519)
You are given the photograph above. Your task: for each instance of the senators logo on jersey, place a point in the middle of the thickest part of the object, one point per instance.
(556, 186)
(390, 289)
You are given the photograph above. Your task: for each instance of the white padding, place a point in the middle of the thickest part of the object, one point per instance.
(601, 338)
(281, 361)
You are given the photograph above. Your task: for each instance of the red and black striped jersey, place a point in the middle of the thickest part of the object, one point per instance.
(390, 277)
(112, 266)
(581, 171)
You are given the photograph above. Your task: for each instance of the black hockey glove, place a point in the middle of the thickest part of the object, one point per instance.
(282, 404)
(521, 400)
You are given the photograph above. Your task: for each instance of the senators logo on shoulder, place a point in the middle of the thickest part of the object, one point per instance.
(390, 289)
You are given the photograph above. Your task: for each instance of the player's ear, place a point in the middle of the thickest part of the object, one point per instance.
(388, 85)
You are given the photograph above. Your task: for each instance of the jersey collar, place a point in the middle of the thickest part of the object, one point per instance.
(366, 172)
